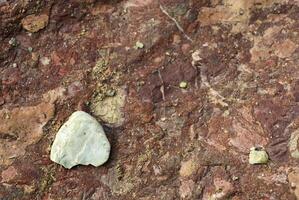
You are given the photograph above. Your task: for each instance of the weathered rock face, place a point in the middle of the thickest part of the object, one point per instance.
(294, 180)
(22, 127)
(293, 144)
(190, 111)
(81, 140)
(110, 109)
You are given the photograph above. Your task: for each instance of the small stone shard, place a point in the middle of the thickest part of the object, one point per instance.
(258, 156)
(138, 45)
(80, 141)
(34, 23)
(183, 84)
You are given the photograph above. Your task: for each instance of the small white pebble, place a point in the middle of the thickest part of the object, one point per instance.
(183, 84)
(195, 56)
(45, 61)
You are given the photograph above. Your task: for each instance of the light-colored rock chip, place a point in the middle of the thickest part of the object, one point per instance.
(258, 156)
(34, 23)
(81, 140)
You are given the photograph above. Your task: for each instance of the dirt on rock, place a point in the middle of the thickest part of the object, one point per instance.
(124, 62)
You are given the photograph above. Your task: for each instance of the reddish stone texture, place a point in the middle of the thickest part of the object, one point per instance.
(8, 174)
(238, 58)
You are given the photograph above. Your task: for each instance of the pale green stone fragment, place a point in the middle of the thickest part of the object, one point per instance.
(80, 141)
(258, 156)
(183, 84)
(138, 45)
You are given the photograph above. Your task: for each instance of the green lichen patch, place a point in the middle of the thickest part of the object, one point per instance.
(109, 109)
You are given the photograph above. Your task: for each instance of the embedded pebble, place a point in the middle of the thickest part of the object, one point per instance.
(138, 45)
(45, 61)
(183, 84)
(34, 23)
(80, 141)
(258, 156)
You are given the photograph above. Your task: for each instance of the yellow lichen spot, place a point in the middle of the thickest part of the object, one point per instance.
(188, 168)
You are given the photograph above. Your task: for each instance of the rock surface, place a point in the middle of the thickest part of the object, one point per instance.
(81, 140)
(21, 127)
(293, 178)
(241, 70)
